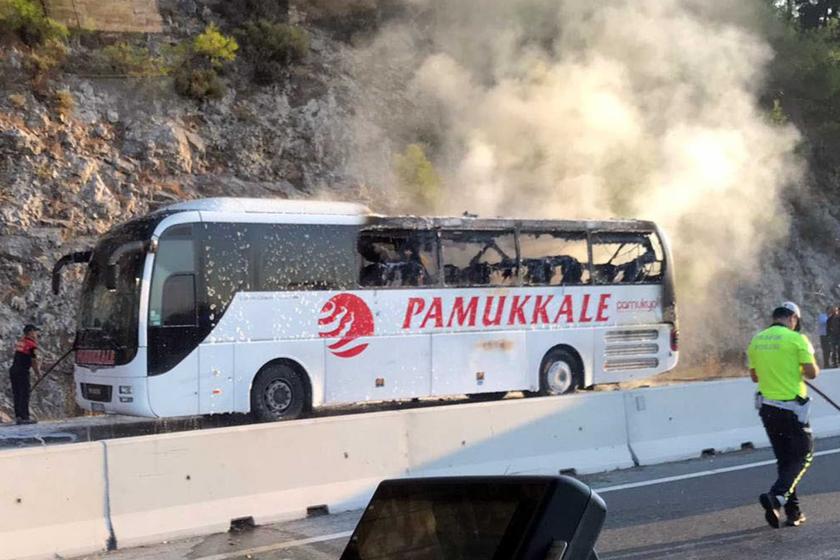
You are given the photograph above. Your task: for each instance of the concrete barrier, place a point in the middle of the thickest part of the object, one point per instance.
(52, 502)
(179, 484)
(65, 499)
(681, 421)
(586, 433)
(189, 483)
(825, 419)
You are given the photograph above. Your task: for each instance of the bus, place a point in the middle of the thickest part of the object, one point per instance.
(276, 307)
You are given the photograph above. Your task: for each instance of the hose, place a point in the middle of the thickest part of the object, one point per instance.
(52, 367)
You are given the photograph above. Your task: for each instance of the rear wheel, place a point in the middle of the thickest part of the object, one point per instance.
(560, 373)
(278, 393)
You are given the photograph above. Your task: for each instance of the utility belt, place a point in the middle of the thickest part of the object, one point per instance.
(801, 406)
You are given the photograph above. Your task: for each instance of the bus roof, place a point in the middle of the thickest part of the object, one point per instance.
(475, 223)
(269, 206)
(324, 208)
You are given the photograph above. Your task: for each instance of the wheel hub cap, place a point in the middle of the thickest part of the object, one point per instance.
(559, 377)
(278, 396)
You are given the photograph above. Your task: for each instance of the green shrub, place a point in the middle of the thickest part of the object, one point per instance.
(417, 177)
(238, 11)
(18, 100)
(47, 57)
(134, 61)
(201, 60)
(65, 103)
(199, 83)
(27, 20)
(271, 47)
(215, 46)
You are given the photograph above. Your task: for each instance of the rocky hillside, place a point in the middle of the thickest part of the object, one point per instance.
(87, 144)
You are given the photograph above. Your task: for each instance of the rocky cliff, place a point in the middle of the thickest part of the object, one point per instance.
(82, 150)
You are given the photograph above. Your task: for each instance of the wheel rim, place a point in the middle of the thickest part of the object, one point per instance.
(278, 396)
(559, 377)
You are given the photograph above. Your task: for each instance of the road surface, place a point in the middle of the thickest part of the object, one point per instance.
(705, 508)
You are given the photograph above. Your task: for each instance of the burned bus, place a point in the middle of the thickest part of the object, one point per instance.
(273, 307)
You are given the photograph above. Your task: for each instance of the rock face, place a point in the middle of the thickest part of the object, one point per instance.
(130, 145)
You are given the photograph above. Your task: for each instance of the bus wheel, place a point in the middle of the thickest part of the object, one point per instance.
(278, 393)
(560, 373)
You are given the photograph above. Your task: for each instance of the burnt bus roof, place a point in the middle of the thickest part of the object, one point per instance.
(472, 223)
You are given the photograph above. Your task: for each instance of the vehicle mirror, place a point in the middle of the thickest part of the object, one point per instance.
(481, 518)
(111, 274)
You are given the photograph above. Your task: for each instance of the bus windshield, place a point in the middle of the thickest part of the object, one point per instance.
(109, 315)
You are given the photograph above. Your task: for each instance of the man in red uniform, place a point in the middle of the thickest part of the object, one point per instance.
(24, 360)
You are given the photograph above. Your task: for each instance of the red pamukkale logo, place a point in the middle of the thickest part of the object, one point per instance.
(347, 318)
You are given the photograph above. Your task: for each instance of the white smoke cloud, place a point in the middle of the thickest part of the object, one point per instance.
(578, 109)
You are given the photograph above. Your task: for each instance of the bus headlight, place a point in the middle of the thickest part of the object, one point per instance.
(125, 389)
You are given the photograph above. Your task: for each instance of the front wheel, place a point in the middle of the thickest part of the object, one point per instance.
(278, 393)
(560, 373)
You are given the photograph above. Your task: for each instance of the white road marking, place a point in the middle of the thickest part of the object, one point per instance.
(700, 474)
(278, 546)
(659, 551)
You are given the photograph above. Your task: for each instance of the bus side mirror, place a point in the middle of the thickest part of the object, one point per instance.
(111, 274)
(511, 517)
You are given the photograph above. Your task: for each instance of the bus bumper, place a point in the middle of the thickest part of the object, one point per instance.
(112, 395)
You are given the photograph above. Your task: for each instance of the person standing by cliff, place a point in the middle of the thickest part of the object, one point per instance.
(25, 359)
(825, 344)
(833, 332)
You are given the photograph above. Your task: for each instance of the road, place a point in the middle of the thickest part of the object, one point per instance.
(705, 508)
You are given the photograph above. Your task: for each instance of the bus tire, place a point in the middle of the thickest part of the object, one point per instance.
(278, 393)
(560, 373)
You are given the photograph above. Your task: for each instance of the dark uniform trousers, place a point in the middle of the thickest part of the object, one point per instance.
(793, 445)
(20, 391)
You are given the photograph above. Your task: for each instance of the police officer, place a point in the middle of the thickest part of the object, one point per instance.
(25, 358)
(779, 357)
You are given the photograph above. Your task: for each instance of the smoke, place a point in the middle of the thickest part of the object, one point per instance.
(577, 109)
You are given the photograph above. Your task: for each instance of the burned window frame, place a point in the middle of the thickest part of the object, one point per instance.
(656, 245)
(515, 279)
(581, 234)
(430, 233)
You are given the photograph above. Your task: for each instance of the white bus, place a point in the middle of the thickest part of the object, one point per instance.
(275, 307)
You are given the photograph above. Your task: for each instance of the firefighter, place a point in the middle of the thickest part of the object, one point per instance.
(780, 358)
(25, 359)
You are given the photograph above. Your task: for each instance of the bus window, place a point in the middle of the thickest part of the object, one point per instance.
(627, 258)
(478, 258)
(226, 265)
(178, 301)
(396, 259)
(304, 257)
(175, 258)
(554, 258)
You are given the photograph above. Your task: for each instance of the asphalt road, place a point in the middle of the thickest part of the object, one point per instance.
(705, 508)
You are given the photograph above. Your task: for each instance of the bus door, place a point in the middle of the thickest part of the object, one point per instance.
(225, 257)
(478, 350)
(174, 332)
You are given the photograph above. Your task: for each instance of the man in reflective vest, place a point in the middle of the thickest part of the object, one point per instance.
(780, 358)
(25, 359)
